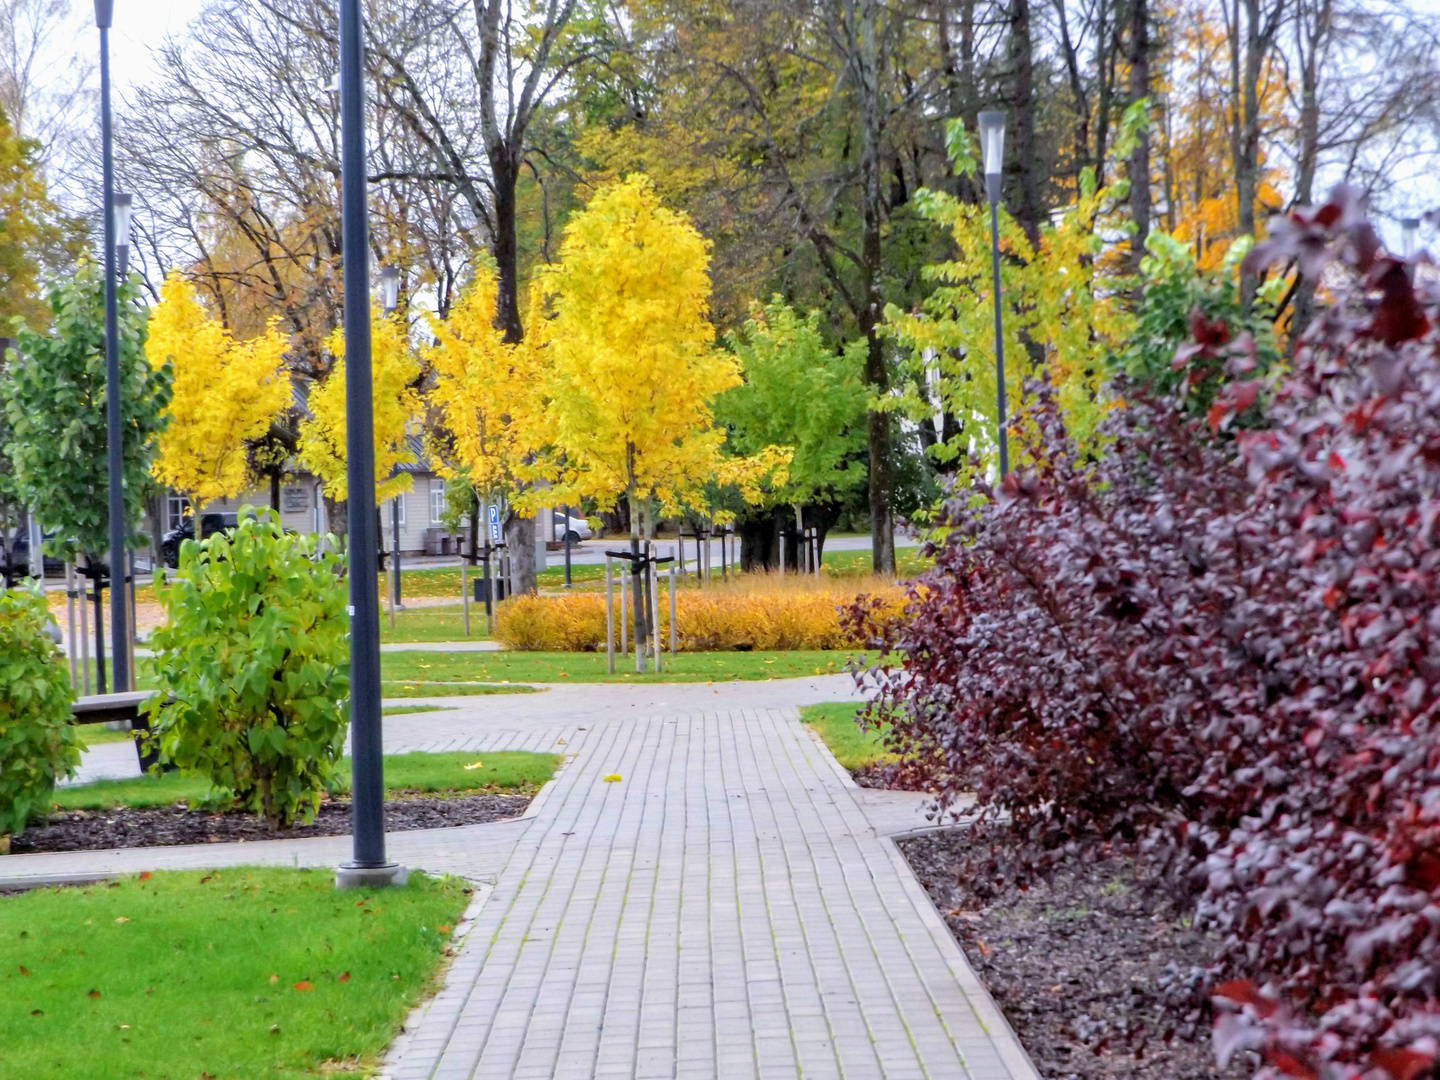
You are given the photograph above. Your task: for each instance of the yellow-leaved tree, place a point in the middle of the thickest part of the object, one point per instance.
(395, 404)
(629, 354)
(489, 394)
(226, 392)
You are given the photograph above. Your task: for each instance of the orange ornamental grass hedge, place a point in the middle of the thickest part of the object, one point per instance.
(757, 611)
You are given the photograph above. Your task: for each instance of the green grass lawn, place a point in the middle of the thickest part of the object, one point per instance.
(546, 667)
(852, 747)
(508, 771)
(433, 624)
(401, 710)
(408, 688)
(234, 973)
(908, 562)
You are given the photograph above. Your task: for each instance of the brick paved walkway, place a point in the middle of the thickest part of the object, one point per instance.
(730, 909)
(725, 910)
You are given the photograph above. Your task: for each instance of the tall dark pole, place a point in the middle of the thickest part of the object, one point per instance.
(567, 546)
(114, 431)
(999, 332)
(368, 867)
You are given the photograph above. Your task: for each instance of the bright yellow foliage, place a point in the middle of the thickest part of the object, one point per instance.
(1054, 297)
(226, 392)
(630, 357)
(489, 393)
(395, 406)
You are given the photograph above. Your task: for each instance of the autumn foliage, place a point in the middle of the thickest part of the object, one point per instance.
(1223, 644)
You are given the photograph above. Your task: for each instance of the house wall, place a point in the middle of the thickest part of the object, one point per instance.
(298, 508)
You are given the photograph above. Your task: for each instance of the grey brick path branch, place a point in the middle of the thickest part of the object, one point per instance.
(725, 910)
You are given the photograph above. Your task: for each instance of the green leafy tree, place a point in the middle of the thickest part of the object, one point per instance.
(801, 393)
(37, 739)
(54, 398)
(254, 659)
(1184, 306)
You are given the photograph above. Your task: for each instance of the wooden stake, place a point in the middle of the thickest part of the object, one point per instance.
(610, 617)
(672, 611)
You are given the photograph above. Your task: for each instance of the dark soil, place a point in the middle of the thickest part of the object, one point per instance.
(93, 830)
(1079, 962)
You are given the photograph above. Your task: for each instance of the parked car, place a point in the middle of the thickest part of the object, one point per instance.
(209, 524)
(17, 556)
(571, 528)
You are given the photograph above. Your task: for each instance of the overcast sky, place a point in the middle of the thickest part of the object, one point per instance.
(140, 25)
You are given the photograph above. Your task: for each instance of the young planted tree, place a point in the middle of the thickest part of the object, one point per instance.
(54, 397)
(632, 369)
(396, 404)
(801, 393)
(489, 394)
(226, 393)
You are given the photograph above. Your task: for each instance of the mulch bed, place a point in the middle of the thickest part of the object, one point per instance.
(94, 830)
(1078, 961)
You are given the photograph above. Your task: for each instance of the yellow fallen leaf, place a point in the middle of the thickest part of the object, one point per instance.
(613, 778)
(121, 918)
(474, 765)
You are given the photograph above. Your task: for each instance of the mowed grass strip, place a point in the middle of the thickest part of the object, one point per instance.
(556, 667)
(236, 973)
(507, 771)
(835, 723)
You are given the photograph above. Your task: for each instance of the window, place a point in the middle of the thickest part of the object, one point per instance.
(176, 509)
(398, 500)
(437, 500)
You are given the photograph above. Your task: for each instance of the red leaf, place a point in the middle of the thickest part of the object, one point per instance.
(1289, 1065)
(24, 970)
(1402, 1064)
(1245, 992)
(304, 985)
(1216, 414)
(344, 977)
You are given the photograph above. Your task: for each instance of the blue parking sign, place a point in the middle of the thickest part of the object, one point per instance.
(494, 524)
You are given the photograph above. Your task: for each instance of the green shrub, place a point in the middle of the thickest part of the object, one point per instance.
(37, 738)
(255, 659)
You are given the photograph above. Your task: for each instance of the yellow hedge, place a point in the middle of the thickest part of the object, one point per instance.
(756, 612)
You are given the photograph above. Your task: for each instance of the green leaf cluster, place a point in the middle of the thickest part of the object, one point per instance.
(1172, 287)
(253, 664)
(801, 393)
(54, 399)
(37, 738)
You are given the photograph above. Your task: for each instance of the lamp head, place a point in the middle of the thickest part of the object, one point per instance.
(124, 206)
(992, 148)
(389, 288)
(104, 13)
(1408, 228)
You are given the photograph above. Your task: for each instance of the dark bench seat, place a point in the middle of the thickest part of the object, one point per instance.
(103, 708)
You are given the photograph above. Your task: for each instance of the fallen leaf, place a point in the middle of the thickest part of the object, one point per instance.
(24, 970)
(274, 1029)
(122, 1027)
(304, 985)
(343, 977)
(475, 765)
(274, 979)
(121, 919)
(203, 880)
(37, 1012)
(94, 993)
(146, 875)
(395, 976)
(985, 950)
(443, 929)
(613, 778)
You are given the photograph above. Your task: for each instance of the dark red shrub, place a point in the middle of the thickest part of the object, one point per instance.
(1232, 652)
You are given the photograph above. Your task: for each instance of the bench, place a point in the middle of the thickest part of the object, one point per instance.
(104, 708)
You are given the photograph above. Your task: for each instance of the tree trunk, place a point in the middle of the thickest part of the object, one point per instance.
(1140, 156)
(275, 494)
(1022, 113)
(336, 519)
(520, 539)
(505, 248)
(877, 375)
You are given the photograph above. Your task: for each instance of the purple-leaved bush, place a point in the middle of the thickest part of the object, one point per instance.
(1225, 646)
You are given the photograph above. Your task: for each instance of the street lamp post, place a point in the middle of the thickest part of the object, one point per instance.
(992, 145)
(389, 301)
(114, 430)
(368, 866)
